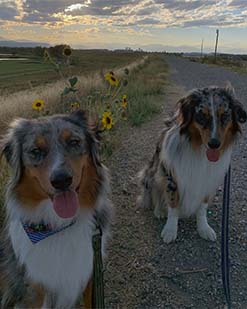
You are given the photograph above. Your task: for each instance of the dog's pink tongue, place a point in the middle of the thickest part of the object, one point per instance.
(65, 204)
(213, 155)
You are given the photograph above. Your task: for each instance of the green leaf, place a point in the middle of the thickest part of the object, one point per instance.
(73, 81)
(66, 90)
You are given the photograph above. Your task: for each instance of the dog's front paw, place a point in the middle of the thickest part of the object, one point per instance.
(207, 232)
(169, 233)
(140, 202)
(143, 202)
(159, 213)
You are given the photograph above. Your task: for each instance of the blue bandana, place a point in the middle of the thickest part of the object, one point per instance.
(38, 232)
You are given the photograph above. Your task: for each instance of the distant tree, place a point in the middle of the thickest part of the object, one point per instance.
(38, 51)
(57, 51)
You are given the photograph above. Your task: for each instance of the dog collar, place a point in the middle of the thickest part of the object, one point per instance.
(40, 231)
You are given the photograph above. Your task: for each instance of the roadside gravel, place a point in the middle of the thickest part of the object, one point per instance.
(142, 271)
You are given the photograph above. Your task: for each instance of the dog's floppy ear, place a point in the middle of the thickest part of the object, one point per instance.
(11, 148)
(90, 127)
(185, 111)
(237, 107)
(6, 149)
(239, 111)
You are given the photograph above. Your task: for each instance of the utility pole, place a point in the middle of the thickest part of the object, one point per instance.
(202, 48)
(216, 44)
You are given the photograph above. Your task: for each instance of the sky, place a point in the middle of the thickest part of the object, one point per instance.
(158, 25)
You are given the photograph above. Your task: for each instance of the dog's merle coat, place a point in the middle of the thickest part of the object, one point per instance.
(38, 147)
(179, 175)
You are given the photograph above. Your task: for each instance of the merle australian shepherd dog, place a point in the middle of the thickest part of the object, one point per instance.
(57, 188)
(191, 158)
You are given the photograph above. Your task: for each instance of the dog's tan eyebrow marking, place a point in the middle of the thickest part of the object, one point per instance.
(205, 110)
(222, 110)
(40, 141)
(65, 134)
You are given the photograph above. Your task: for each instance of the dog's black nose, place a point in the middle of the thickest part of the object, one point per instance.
(61, 180)
(214, 143)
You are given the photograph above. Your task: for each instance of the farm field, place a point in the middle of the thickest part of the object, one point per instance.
(16, 75)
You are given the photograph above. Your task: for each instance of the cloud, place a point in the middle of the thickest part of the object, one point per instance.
(185, 5)
(153, 14)
(100, 7)
(46, 6)
(148, 21)
(238, 4)
(8, 10)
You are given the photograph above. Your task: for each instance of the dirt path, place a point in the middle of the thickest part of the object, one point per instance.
(143, 272)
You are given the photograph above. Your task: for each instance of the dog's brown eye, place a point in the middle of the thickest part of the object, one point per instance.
(202, 119)
(224, 118)
(74, 142)
(36, 153)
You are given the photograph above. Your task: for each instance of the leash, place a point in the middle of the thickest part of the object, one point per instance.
(98, 300)
(225, 267)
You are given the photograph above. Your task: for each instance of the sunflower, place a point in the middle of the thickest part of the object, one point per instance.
(38, 105)
(111, 79)
(124, 101)
(107, 120)
(75, 105)
(67, 51)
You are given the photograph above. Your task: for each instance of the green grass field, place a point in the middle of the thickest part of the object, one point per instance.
(13, 68)
(18, 75)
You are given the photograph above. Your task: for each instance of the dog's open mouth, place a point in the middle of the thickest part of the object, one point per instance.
(65, 204)
(213, 154)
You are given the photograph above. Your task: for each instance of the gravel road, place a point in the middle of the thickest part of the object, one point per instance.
(142, 271)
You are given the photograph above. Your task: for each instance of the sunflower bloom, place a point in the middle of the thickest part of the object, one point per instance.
(75, 105)
(38, 105)
(111, 79)
(124, 101)
(107, 120)
(67, 51)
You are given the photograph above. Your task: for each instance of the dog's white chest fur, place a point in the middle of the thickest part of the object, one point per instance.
(63, 262)
(197, 178)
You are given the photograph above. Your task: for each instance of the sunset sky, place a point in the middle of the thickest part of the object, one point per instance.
(150, 24)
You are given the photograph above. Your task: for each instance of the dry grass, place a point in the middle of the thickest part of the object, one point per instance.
(236, 64)
(20, 104)
(146, 88)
